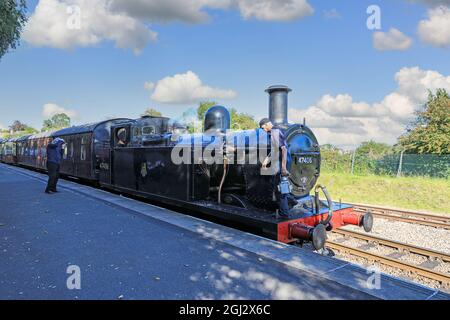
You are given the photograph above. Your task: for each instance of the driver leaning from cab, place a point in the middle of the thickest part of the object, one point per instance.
(121, 136)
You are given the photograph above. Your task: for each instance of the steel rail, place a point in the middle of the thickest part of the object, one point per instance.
(432, 254)
(430, 220)
(440, 277)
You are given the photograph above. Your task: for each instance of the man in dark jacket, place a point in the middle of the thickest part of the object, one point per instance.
(54, 155)
(278, 141)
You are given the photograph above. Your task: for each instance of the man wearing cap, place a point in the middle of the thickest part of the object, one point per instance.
(54, 155)
(277, 141)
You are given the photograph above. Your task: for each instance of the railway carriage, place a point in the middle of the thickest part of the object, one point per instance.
(1, 149)
(22, 150)
(32, 150)
(9, 151)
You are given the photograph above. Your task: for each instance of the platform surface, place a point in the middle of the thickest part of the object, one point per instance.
(127, 249)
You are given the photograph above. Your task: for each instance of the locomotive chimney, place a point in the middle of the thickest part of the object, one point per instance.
(278, 104)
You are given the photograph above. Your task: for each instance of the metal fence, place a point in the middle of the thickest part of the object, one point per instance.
(393, 164)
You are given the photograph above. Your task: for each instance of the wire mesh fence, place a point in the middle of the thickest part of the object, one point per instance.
(392, 164)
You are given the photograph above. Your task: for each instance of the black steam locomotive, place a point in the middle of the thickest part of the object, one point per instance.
(217, 173)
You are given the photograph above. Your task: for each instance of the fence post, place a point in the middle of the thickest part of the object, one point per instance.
(353, 161)
(400, 163)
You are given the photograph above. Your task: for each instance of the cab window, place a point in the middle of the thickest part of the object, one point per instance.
(121, 137)
(148, 130)
(136, 131)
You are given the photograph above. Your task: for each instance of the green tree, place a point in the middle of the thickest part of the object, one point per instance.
(335, 159)
(58, 121)
(17, 129)
(239, 121)
(370, 155)
(152, 113)
(373, 150)
(203, 107)
(12, 20)
(4, 133)
(17, 126)
(242, 121)
(430, 132)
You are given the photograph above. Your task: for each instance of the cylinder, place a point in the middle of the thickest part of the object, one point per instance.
(278, 104)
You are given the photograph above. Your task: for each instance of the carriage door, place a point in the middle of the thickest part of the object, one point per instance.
(122, 157)
(103, 154)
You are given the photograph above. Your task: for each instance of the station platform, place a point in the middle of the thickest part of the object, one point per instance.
(127, 249)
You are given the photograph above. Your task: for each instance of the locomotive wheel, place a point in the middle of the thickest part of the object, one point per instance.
(319, 237)
(367, 222)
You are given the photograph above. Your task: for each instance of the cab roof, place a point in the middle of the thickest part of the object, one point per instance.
(85, 128)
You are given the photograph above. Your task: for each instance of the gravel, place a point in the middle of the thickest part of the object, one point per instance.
(418, 235)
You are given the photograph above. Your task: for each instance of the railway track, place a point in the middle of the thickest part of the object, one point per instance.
(402, 248)
(431, 220)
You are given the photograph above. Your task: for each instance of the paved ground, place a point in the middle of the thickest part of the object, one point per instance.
(129, 256)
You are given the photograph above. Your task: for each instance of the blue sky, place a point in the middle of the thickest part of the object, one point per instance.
(315, 55)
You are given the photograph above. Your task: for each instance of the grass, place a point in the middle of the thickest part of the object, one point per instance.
(415, 193)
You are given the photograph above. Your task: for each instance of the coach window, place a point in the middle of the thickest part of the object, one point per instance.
(65, 152)
(83, 149)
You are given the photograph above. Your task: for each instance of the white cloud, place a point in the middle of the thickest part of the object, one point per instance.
(274, 10)
(50, 109)
(193, 11)
(188, 11)
(436, 29)
(342, 105)
(185, 88)
(149, 86)
(124, 22)
(414, 83)
(433, 3)
(341, 121)
(394, 39)
(53, 24)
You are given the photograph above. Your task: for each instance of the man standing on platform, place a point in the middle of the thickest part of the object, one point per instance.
(54, 155)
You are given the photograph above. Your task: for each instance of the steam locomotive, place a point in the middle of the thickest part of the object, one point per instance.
(155, 158)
